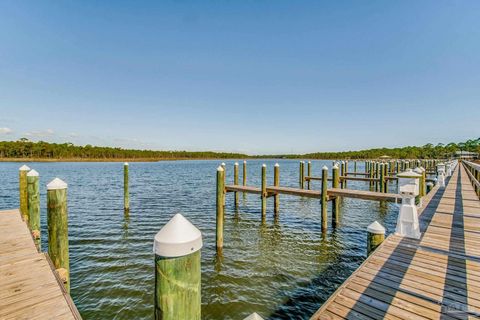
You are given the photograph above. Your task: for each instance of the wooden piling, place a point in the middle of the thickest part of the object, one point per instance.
(301, 179)
(224, 166)
(57, 220)
(220, 202)
(276, 183)
(235, 182)
(22, 186)
(324, 199)
(264, 191)
(385, 174)
(375, 236)
(336, 200)
(33, 204)
(355, 166)
(382, 177)
(126, 194)
(244, 172)
(177, 248)
(309, 173)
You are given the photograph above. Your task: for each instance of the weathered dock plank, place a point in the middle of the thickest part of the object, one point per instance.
(361, 194)
(29, 285)
(434, 277)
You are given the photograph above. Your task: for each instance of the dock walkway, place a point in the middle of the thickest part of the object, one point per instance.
(29, 285)
(435, 277)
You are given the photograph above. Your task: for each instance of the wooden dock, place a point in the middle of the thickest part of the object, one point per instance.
(435, 277)
(29, 286)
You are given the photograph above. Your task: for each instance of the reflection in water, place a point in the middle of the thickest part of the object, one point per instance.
(282, 267)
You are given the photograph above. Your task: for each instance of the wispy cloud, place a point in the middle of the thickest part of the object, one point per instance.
(40, 133)
(5, 130)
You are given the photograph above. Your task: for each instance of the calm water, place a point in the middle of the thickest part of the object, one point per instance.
(282, 269)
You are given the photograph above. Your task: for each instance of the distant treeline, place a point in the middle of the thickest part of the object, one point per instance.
(43, 150)
(24, 149)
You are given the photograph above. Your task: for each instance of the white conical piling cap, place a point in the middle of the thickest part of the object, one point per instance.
(264, 165)
(309, 161)
(32, 173)
(277, 165)
(220, 168)
(335, 166)
(244, 161)
(418, 170)
(236, 164)
(376, 228)
(253, 316)
(24, 168)
(223, 164)
(56, 184)
(177, 238)
(125, 164)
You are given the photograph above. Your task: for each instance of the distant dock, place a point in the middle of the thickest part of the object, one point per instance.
(30, 288)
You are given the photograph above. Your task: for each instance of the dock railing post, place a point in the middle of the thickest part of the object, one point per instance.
(336, 200)
(22, 187)
(324, 199)
(276, 183)
(33, 190)
(177, 247)
(126, 195)
(264, 191)
(235, 182)
(57, 220)
(375, 236)
(220, 202)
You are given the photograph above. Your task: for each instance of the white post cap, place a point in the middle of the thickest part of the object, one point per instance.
(223, 164)
(244, 161)
(253, 316)
(177, 238)
(24, 168)
(220, 168)
(264, 165)
(125, 164)
(236, 163)
(335, 166)
(376, 228)
(56, 184)
(277, 165)
(324, 168)
(32, 173)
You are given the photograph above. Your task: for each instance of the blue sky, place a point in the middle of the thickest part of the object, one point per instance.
(247, 76)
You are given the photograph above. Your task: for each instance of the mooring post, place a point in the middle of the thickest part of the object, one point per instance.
(276, 183)
(264, 191)
(382, 177)
(244, 172)
(355, 166)
(336, 200)
(386, 169)
(126, 195)
(342, 174)
(371, 173)
(309, 173)
(224, 166)
(375, 236)
(220, 202)
(235, 182)
(177, 247)
(301, 179)
(324, 199)
(33, 204)
(22, 186)
(57, 220)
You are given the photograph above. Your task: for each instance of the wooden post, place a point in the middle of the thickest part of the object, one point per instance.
(264, 191)
(57, 220)
(235, 182)
(220, 202)
(355, 166)
(336, 200)
(33, 202)
(385, 174)
(375, 236)
(309, 173)
(342, 173)
(301, 179)
(324, 199)
(382, 177)
(224, 166)
(276, 183)
(177, 248)
(244, 172)
(126, 195)
(22, 186)
(372, 173)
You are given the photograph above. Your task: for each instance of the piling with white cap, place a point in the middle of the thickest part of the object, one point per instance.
(57, 220)
(235, 182)
(324, 199)
(276, 183)
(309, 173)
(244, 172)
(126, 194)
(224, 166)
(33, 204)
(220, 201)
(336, 199)
(375, 236)
(177, 247)
(301, 177)
(22, 186)
(264, 191)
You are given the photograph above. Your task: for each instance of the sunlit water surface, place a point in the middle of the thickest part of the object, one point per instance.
(282, 269)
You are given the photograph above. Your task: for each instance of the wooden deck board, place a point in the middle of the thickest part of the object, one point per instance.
(29, 288)
(437, 276)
